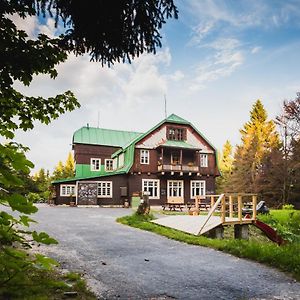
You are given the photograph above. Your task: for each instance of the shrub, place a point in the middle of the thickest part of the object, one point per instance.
(288, 207)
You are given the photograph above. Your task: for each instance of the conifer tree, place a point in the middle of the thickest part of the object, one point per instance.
(259, 138)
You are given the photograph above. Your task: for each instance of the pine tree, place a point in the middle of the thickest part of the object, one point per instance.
(225, 162)
(259, 139)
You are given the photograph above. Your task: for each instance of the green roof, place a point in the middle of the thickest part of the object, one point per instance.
(176, 119)
(178, 144)
(126, 140)
(105, 137)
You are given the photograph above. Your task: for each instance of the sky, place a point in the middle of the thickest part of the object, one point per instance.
(217, 59)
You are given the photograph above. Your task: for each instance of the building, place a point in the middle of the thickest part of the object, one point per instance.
(172, 161)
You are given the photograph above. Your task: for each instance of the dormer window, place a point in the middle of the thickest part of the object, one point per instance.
(176, 134)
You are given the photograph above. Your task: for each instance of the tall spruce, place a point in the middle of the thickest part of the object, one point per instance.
(258, 139)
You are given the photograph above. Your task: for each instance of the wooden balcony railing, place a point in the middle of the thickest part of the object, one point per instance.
(181, 168)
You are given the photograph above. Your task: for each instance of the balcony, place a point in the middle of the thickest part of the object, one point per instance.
(178, 168)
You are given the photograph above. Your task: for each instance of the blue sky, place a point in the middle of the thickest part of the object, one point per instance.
(216, 60)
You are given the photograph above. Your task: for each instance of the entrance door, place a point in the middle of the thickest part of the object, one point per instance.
(87, 193)
(175, 191)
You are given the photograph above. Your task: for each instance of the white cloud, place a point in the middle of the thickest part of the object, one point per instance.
(255, 50)
(29, 24)
(33, 27)
(200, 31)
(226, 59)
(177, 76)
(117, 93)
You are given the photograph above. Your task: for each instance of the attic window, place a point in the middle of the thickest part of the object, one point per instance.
(176, 134)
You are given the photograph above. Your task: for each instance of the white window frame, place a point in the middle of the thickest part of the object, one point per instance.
(104, 186)
(175, 184)
(111, 165)
(146, 187)
(66, 190)
(115, 163)
(203, 160)
(93, 166)
(121, 160)
(201, 187)
(144, 157)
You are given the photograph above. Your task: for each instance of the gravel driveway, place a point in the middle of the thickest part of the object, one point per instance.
(127, 263)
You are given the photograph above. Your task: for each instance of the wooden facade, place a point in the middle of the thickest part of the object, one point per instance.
(172, 162)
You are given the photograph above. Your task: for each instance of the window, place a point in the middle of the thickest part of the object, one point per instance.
(197, 188)
(152, 187)
(67, 190)
(95, 164)
(176, 134)
(203, 160)
(121, 160)
(175, 188)
(109, 165)
(104, 189)
(144, 157)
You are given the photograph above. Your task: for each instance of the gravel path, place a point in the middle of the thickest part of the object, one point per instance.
(126, 263)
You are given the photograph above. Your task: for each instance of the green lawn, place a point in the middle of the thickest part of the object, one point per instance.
(258, 248)
(47, 285)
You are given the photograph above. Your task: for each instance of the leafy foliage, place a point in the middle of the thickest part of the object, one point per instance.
(13, 239)
(109, 32)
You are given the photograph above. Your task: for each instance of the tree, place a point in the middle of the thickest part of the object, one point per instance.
(289, 122)
(58, 172)
(259, 139)
(109, 32)
(225, 162)
(69, 168)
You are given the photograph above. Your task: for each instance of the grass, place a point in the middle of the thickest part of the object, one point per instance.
(285, 258)
(50, 285)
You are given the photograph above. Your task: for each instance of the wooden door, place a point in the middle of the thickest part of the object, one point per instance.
(175, 191)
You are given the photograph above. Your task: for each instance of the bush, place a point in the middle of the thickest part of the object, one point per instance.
(35, 198)
(288, 207)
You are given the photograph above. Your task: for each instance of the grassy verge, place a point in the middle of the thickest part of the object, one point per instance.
(50, 285)
(285, 258)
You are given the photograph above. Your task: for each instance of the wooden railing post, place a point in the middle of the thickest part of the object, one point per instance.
(223, 209)
(254, 204)
(240, 216)
(197, 202)
(230, 207)
(212, 201)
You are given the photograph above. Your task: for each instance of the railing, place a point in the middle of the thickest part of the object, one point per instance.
(184, 168)
(228, 205)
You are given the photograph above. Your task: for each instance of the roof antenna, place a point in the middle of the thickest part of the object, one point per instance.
(165, 105)
(98, 119)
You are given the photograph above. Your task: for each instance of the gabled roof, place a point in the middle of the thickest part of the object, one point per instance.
(102, 136)
(176, 119)
(170, 119)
